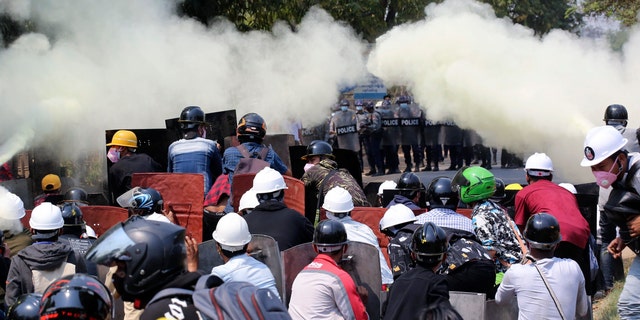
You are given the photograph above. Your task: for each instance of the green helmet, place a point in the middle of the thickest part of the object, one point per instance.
(473, 184)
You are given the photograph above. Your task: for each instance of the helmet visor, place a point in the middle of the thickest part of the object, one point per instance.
(111, 246)
(459, 180)
(616, 123)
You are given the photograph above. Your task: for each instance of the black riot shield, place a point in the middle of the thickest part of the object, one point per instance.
(390, 127)
(208, 256)
(265, 249)
(360, 261)
(220, 124)
(348, 159)
(410, 121)
(297, 164)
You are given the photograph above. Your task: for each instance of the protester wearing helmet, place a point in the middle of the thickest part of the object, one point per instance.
(76, 195)
(613, 166)
(468, 266)
(338, 205)
(323, 290)
(410, 189)
(272, 217)
(322, 174)
(51, 185)
(145, 202)
(248, 202)
(72, 231)
(26, 307)
(542, 195)
(194, 153)
(80, 295)
(398, 225)
(497, 234)
(16, 236)
(150, 256)
(126, 161)
(232, 239)
(421, 285)
(386, 185)
(35, 267)
(533, 283)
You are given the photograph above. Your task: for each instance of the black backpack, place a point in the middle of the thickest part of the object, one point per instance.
(239, 300)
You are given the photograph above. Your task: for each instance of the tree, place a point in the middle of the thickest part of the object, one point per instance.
(540, 15)
(625, 11)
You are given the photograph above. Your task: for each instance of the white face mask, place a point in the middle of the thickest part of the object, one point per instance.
(308, 166)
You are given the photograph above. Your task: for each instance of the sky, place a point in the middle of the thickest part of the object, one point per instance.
(97, 65)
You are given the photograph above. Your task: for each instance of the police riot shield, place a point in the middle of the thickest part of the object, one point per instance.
(451, 134)
(410, 123)
(208, 256)
(431, 132)
(345, 123)
(390, 127)
(219, 125)
(265, 249)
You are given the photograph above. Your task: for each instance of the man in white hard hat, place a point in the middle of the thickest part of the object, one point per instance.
(542, 195)
(232, 239)
(386, 185)
(338, 205)
(613, 166)
(272, 217)
(16, 236)
(398, 225)
(47, 259)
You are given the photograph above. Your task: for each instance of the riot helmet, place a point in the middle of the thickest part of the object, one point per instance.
(473, 184)
(318, 148)
(616, 114)
(500, 191)
(151, 253)
(409, 185)
(72, 215)
(542, 231)
(81, 295)
(77, 195)
(441, 195)
(429, 244)
(251, 127)
(26, 307)
(329, 236)
(403, 99)
(191, 117)
(141, 201)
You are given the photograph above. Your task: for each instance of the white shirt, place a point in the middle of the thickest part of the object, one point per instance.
(245, 268)
(534, 301)
(360, 232)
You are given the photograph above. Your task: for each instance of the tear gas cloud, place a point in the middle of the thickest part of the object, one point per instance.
(96, 65)
(525, 93)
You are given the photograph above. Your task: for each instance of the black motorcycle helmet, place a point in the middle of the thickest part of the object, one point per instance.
(251, 127)
(153, 253)
(146, 201)
(542, 231)
(440, 194)
(329, 236)
(77, 195)
(429, 244)
(500, 193)
(79, 294)
(409, 184)
(616, 113)
(72, 215)
(26, 307)
(318, 148)
(191, 117)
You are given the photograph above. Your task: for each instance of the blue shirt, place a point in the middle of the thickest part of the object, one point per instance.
(196, 155)
(245, 268)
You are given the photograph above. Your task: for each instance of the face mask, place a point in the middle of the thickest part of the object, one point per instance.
(113, 154)
(604, 178)
(404, 105)
(308, 166)
(359, 108)
(203, 133)
(344, 109)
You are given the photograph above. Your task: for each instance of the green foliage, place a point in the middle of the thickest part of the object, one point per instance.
(625, 11)
(540, 15)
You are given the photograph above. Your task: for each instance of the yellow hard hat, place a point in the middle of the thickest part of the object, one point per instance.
(124, 138)
(513, 186)
(51, 182)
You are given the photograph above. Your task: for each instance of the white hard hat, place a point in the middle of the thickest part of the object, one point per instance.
(539, 164)
(11, 206)
(570, 187)
(90, 232)
(46, 216)
(338, 200)
(268, 180)
(249, 200)
(387, 185)
(395, 215)
(600, 143)
(232, 232)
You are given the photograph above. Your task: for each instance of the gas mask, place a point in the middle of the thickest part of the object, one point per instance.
(113, 154)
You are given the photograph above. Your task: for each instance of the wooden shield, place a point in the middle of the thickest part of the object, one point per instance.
(183, 193)
(293, 196)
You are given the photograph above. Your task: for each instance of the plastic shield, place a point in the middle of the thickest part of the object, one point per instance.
(208, 256)
(265, 249)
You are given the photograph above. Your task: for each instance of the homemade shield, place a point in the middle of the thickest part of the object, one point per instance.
(265, 249)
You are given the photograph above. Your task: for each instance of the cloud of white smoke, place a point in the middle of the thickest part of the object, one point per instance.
(525, 93)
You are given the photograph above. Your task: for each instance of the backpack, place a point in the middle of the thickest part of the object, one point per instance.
(239, 300)
(251, 163)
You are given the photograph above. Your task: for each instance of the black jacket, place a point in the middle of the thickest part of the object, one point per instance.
(413, 291)
(288, 227)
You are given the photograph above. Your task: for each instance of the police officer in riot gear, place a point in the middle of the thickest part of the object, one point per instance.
(344, 124)
(390, 137)
(372, 131)
(411, 119)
